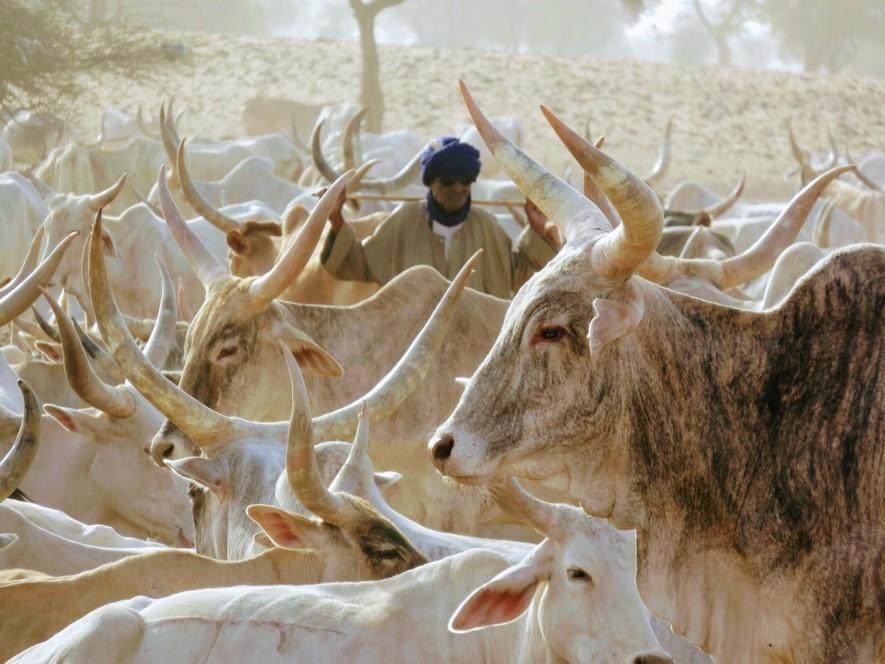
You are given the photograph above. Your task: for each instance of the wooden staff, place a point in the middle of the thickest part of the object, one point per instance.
(502, 202)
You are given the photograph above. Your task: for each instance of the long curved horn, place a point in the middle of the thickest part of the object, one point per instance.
(98, 354)
(758, 258)
(144, 201)
(833, 158)
(200, 423)
(203, 207)
(400, 180)
(301, 466)
(104, 198)
(594, 192)
(806, 171)
(659, 170)
(518, 503)
(22, 296)
(87, 385)
(45, 325)
(720, 207)
(408, 373)
(624, 249)
(556, 198)
(17, 461)
(290, 264)
(316, 152)
(162, 340)
(30, 262)
(205, 265)
(349, 137)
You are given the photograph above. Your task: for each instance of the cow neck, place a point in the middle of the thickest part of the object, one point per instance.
(727, 465)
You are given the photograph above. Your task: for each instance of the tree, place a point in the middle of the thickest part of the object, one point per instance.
(822, 34)
(730, 21)
(371, 94)
(48, 53)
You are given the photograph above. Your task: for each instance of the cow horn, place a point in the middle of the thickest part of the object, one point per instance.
(623, 249)
(316, 152)
(203, 207)
(104, 198)
(720, 207)
(301, 465)
(30, 262)
(144, 201)
(557, 199)
(162, 340)
(593, 192)
(806, 172)
(755, 260)
(16, 301)
(520, 504)
(290, 264)
(17, 461)
(833, 158)
(349, 137)
(87, 385)
(205, 265)
(200, 423)
(408, 373)
(44, 190)
(99, 355)
(45, 325)
(659, 170)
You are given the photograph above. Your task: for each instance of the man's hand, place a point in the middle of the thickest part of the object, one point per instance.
(336, 219)
(537, 219)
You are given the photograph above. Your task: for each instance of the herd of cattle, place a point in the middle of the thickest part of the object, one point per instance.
(668, 447)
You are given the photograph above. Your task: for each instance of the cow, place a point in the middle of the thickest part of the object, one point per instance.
(76, 169)
(92, 463)
(263, 115)
(32, 135)
(23, 210)
(573, 598)
(743, 446)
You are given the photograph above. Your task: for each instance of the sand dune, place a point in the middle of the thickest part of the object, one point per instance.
(726, 119)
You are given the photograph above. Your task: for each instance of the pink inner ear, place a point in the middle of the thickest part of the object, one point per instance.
(62, 418)
(493, 606)
(280, 530)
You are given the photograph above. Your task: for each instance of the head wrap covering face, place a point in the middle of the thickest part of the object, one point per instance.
(449, 157)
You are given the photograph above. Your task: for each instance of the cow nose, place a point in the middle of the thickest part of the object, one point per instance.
(161, 449)
(658, 657)
(441, 449)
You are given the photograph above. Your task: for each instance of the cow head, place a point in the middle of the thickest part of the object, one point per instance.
(570, 346)
(69, 213)
(582, 580)
(114, 433)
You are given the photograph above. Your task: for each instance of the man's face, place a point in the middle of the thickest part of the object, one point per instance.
(450, 193)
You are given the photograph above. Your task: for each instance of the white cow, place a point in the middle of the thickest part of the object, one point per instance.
(32, 135)
(22, 210)
(573, 598)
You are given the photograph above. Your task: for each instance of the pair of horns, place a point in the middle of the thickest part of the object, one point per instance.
(630, 247)
(400, 180)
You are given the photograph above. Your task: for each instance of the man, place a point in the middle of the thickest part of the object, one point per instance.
(442, 231)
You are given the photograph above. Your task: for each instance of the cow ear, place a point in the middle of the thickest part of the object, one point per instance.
(7, 540)
(500, 601)
(312, 359)
(75, 421)
(612, 320)
(285, 529)
(108, 247)
(238, 243)
(50, 349)
(387, 478)
(205, 472)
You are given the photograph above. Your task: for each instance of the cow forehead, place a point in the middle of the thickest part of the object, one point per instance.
(227, 304)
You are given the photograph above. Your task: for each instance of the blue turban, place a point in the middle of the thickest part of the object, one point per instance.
(449, 157)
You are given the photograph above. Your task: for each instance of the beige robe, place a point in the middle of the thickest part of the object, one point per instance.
(405, 239)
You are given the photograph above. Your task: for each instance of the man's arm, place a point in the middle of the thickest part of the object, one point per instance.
(535, 246)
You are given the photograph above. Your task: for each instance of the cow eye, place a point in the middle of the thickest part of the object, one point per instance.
(577, 574)
(548, 334)
(227, 351)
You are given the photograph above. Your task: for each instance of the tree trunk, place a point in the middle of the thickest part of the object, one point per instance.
(371, 94)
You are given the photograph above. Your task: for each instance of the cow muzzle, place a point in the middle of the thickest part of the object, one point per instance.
(171, 443)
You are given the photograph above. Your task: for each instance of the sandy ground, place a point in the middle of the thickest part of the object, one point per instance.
(726, 120)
